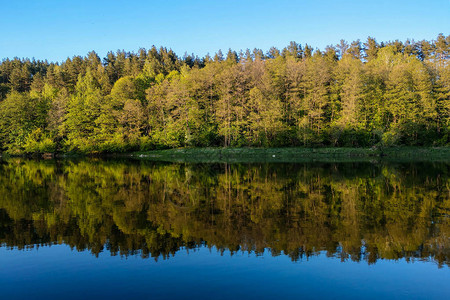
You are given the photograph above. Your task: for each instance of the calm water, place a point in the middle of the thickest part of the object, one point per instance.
(116, 229)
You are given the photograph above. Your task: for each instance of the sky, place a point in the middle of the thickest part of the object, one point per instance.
(56, 29)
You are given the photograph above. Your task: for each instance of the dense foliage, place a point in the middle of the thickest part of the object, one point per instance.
(358, 211)
(362, 94)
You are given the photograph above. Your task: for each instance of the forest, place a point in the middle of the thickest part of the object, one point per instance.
(358, 94)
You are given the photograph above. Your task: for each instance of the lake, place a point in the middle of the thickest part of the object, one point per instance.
(117, 228)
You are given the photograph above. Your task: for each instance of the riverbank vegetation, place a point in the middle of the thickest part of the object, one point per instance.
(349, 95)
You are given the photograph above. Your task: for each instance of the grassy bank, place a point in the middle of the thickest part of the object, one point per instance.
(270, 154)
(296, 154)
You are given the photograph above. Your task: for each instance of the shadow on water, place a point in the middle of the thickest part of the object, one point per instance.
(355, 211)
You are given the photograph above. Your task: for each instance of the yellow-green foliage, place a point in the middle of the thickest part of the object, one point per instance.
(356, 95)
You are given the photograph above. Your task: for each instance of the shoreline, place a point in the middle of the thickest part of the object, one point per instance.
(286, 155)
(295, 154)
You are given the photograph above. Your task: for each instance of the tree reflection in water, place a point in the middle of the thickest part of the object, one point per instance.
(357, 211)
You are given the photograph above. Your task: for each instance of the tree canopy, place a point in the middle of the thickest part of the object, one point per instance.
(351, 94)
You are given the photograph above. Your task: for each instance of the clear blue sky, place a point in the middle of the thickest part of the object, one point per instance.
(59, 29)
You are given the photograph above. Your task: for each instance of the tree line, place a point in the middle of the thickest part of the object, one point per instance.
(359, 94)
(357, 211)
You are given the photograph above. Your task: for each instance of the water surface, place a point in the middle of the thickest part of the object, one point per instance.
(117, 228)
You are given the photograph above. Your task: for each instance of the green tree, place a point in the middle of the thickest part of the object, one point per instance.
(83, 109)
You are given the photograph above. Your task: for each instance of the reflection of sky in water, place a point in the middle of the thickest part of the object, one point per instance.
(58, 271)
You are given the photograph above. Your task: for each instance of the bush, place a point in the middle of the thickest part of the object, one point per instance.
(38, 142)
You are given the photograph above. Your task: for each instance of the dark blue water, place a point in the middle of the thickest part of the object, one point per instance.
(122, 229)
(58, 271)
